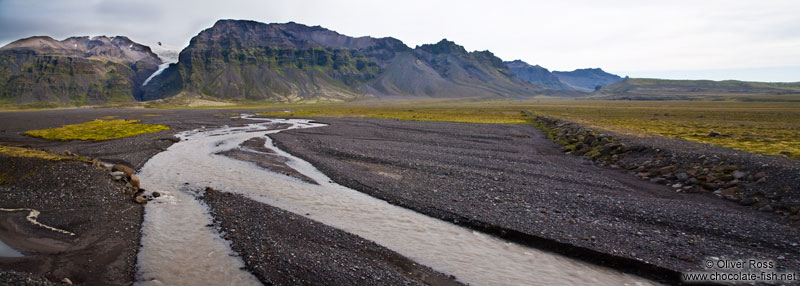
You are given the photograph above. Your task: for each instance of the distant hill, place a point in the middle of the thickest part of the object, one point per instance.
(536, 75)
(247, 60)
(587, 80)
(75, 71)
(581, 80)
(644, 89)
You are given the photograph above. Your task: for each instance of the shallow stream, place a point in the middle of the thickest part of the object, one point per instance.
(179, 248)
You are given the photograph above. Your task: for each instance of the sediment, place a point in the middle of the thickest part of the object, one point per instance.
(282, 248)
(515, 183)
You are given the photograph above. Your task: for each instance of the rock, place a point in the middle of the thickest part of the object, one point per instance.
(117, 175)
(785, 153)
(730, 193)
(171, 138)
(127, 170)
(66, 281)
(794, 217)
(682, 176)
(748, 201)
(589, 139)
(140, 200)
(135, 182)
(677, 186)
(766, 209)
(714, 133)
(658, 180)
(711, 186)
(738, 174)
(156, 194)
(760, 175)
(96, 163)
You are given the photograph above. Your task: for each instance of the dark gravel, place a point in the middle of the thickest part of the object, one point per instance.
(131, 151)
(511, 181)
(12, 278)
(253, 151)
(76, 197)
(282, 248)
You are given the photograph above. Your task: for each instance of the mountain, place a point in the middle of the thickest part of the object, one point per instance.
(536, 75)
(587, 80)
(75, 71)
(662, 89)
(252, 61)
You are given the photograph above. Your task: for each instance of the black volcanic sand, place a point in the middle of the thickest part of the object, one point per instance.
(253, 151)
(510, 180)
(72, 196)
(79, 198)
(282, 248)
(131, 151)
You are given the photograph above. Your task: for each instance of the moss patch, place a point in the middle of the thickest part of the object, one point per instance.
(425, 113)
(11, 151)
(97, 130)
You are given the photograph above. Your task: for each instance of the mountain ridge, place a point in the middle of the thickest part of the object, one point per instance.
(289, 62)
(75, 71)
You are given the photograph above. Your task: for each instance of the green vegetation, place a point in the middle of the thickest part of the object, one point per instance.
(97, 130)
(249, 73)
(762, 127)
(62, 81)
(11, 151)
(467, 114)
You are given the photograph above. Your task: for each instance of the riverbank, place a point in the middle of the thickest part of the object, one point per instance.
(511, 181)
(85, 227)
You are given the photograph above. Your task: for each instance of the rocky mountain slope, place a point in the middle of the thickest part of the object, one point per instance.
(252, 61)
(587, 80)
(75, 71)
(536, 75)
(580, 80)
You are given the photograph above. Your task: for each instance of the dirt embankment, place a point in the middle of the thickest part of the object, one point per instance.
(767, 183)
(282, 248)
(511, 181)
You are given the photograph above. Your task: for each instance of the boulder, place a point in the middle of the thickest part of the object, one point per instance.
(730, 193)
(127, 170)
(118, 175)
(135, 182)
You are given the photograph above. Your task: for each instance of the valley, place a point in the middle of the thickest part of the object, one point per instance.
(291, 154)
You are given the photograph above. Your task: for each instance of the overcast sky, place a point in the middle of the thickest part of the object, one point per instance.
(734, 39)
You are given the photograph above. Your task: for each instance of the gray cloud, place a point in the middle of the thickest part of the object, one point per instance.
(619, 35)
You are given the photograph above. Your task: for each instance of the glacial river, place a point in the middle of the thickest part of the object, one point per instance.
(179, 247)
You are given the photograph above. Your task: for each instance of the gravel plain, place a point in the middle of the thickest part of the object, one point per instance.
(511, 181)
(282, 248)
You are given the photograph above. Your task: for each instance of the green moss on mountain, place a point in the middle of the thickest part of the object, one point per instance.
(274, 73)
(27, 78)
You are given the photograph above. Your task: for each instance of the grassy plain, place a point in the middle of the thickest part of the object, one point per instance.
(762, 127)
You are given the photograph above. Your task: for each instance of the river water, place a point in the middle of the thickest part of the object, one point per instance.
(178, 248)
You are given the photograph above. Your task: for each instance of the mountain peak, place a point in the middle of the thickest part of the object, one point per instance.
(443, 47)
(117, 49)
(247, 33)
